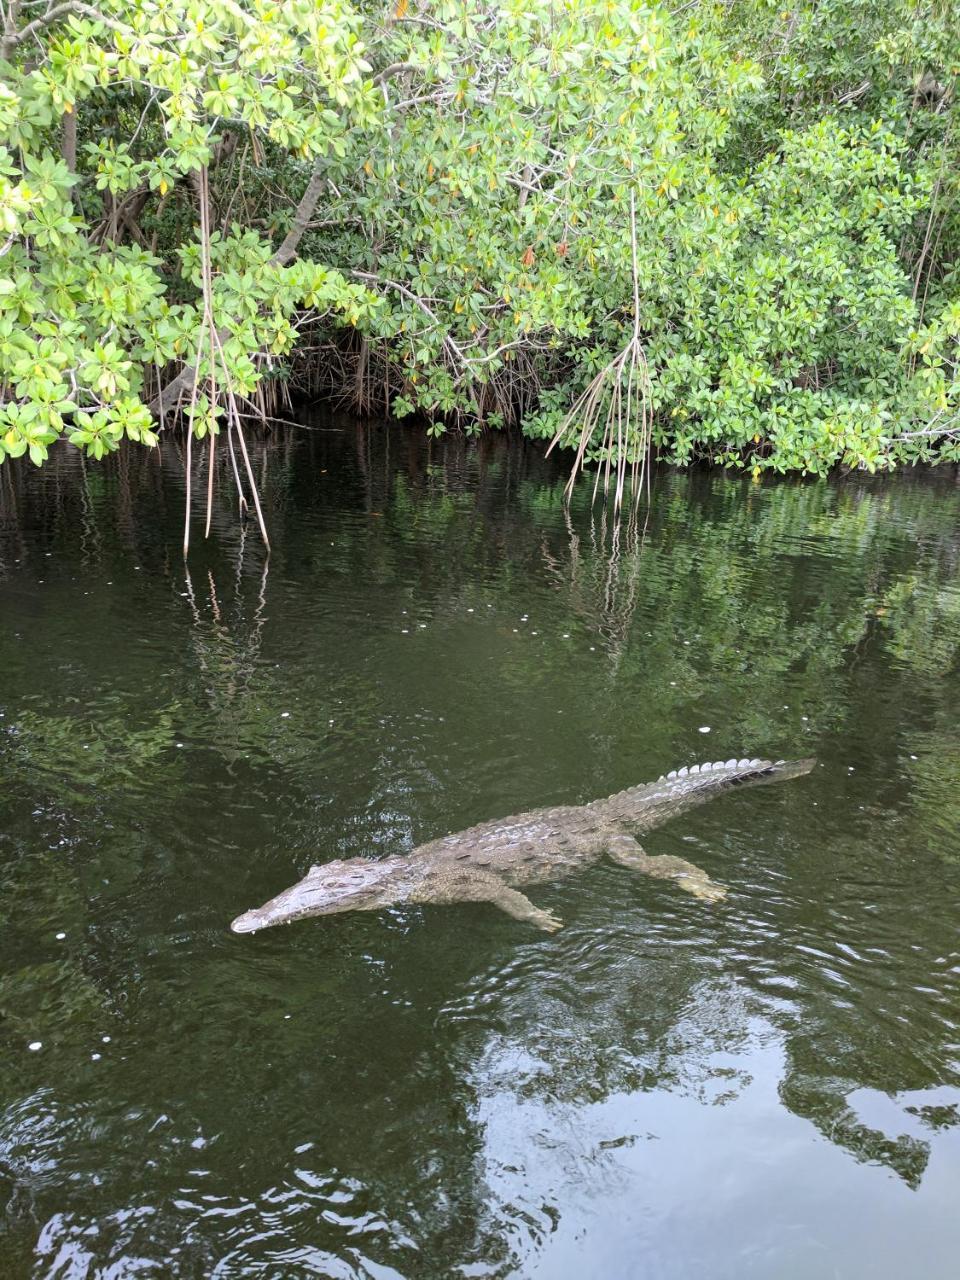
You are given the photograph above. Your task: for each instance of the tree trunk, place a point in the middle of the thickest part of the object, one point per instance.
(68, 138)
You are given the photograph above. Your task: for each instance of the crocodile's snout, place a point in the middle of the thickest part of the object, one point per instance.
(249, 922)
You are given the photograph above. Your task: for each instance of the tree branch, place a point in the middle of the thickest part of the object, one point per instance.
(12, 37)
(394, 69)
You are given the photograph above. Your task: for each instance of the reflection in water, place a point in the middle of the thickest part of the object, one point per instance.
(768, 1088)
(226, 641)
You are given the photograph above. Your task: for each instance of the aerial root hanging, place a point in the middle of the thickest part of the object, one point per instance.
(618, 405)
(209, 337)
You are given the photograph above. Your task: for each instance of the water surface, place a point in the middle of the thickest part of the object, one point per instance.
(666, 1089)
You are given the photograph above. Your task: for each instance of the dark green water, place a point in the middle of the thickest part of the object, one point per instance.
(664, 1090)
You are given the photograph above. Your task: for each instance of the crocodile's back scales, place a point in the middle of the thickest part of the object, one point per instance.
(544, 844)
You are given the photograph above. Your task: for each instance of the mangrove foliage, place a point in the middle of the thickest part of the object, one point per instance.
(705, 230)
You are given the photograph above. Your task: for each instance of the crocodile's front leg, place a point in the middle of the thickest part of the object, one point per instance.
(463, 885)
(519, 906)
(630, 853)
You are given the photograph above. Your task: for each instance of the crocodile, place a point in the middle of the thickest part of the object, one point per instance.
(486, 863)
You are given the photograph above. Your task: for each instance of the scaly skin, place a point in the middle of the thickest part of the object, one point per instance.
(486, 863)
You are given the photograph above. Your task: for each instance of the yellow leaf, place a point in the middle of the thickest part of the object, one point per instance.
(164, 186)
(756, 474)
(401, 10)
(756, 439)
(430, 169)
(730, 217)
(68, 107)
(368, 168)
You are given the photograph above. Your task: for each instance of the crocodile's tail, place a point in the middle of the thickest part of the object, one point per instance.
(729, 772)
(681, 789)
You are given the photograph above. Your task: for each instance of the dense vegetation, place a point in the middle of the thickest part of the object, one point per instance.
(725, 230)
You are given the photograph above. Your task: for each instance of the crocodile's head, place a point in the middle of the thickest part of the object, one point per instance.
(354, 885)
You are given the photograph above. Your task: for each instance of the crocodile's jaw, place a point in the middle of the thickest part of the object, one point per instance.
(290, 906)
(327, 891)
(285, 908)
